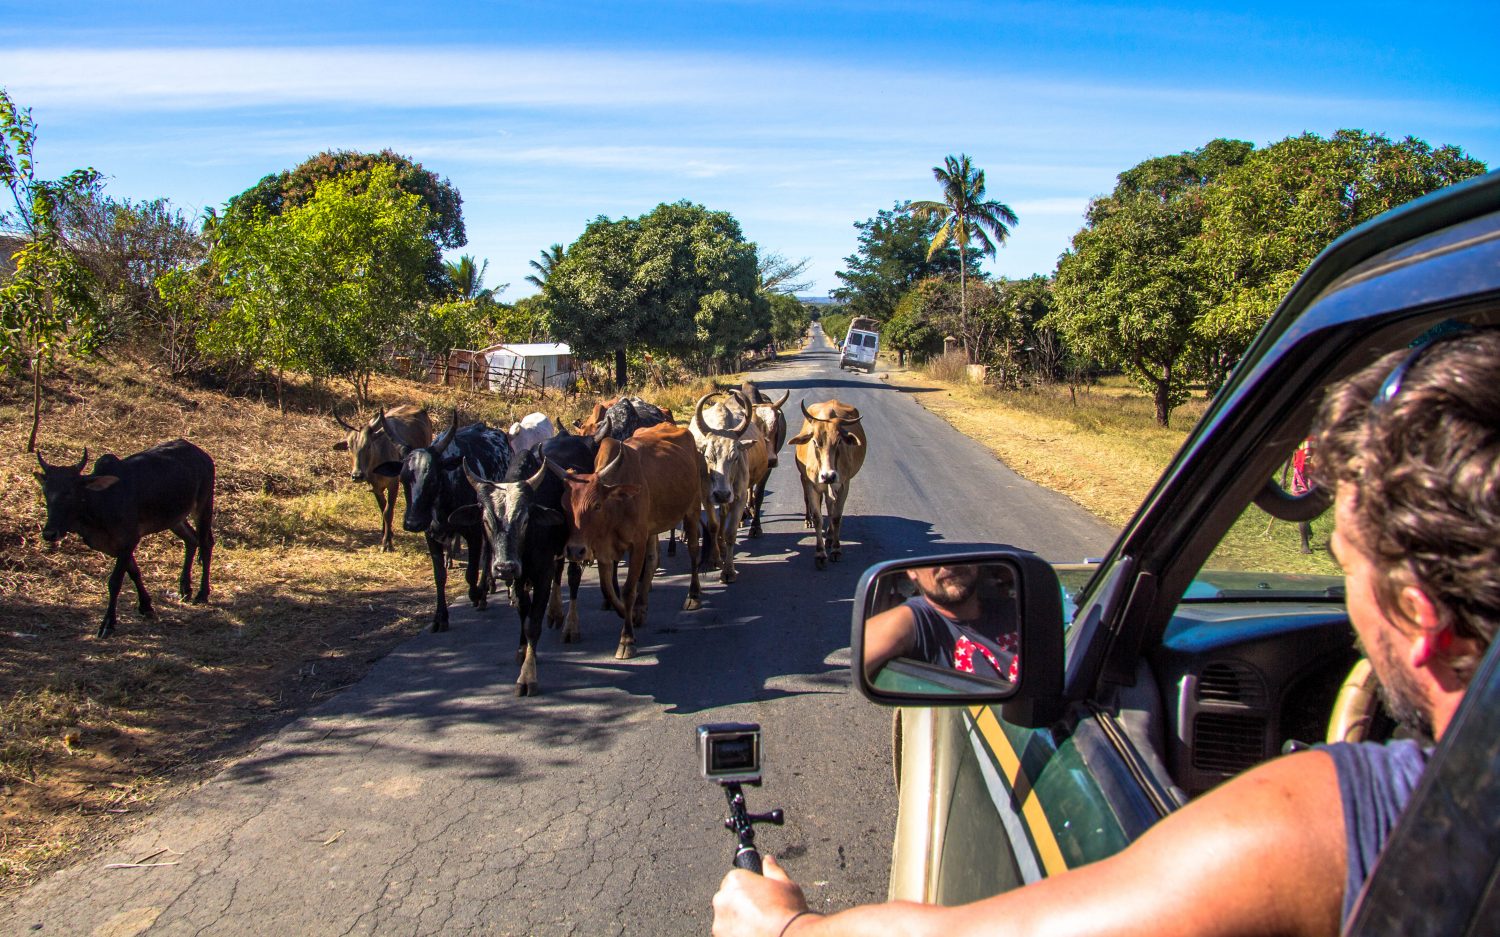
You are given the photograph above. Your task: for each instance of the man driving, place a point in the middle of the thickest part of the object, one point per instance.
(1411, 448)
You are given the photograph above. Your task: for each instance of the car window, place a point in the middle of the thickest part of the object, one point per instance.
(1263, 557)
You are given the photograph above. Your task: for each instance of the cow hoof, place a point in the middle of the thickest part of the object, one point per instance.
(573, 638)
(526, 689)
(755, 532)
(105, 630)
(692, 604)
(625, 652)
(821, 562)
(387, 548)
(439, 626)
(836, 554)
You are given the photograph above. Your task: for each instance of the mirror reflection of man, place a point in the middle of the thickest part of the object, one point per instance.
(947, 624)
(1411, 447)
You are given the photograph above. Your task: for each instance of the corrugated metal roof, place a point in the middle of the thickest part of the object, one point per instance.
(535, 350)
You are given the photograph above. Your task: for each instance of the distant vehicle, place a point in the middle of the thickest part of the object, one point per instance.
(860, 345)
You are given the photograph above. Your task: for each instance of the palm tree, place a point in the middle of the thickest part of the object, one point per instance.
(966, 217)
(468, 280)
(551, 257)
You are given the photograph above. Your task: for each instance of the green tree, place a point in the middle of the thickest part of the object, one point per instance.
(965, 217)
(551, 257)
(523, 321)
(1267, 218)
(895, 252)
(324, 286)
(789, 318)
(279, 193)
(680, 280)
(909, 331)
(1130, 292)
(49, 302)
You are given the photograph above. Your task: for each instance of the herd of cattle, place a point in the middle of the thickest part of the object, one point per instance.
(526, 503)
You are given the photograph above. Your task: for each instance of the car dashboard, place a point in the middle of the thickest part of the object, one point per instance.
(1242, 679)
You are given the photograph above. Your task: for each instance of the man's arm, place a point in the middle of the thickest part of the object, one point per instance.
(1261, 854)
(890, 634)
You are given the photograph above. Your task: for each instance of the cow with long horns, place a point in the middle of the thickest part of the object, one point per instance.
(166, 487)
(735, 455)
(638, 489)
(436, 490)
(527, 530)
(830, 450)
(370, 445)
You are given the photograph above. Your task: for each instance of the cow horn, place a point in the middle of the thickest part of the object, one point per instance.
(816, 419)
(739, 431)
(602, 432)
(78, 467)
(604, 474)
(441, 443)
(535, 481)
(474, 478)
(391, 431)
(340, 420)
(784, 397)
(698, 413)
(555, 469)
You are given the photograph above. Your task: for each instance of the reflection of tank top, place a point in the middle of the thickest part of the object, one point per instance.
(958, 644)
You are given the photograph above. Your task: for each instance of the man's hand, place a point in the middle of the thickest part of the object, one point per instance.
(750, 905)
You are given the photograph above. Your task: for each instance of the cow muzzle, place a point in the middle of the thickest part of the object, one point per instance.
(357, 476)
(52, 538)
(828, 477)
(721, 495)
(506, 571)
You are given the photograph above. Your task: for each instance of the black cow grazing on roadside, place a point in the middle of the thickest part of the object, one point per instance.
(432, 477)
(527, 531)
(123, 500)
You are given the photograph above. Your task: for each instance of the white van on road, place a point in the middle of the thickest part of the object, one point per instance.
(860, 345)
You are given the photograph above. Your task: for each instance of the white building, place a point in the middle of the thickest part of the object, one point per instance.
(543, 364)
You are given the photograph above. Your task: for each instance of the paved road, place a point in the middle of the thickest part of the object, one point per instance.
(428, 799)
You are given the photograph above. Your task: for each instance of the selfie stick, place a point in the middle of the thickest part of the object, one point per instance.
(741, 823)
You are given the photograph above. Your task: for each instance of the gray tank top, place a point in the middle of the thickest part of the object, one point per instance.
(1375, 782)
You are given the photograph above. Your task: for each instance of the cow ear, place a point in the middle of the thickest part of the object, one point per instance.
(466, 515)
(799, 439)
(546, 517)
(101, 482)
(341, 446)
(851, 439)
(388, 469)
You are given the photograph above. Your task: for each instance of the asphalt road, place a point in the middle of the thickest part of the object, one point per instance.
(428, 799)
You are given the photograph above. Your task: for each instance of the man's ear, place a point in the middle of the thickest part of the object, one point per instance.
(1433, 639)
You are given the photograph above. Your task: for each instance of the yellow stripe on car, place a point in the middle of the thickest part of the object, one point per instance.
(1005, 753)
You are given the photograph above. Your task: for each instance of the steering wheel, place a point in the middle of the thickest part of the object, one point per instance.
(1357, 710)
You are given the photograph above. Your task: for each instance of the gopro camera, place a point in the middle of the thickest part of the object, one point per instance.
(729, 752)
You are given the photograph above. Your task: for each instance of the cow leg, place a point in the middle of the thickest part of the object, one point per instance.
(643, 587)
(757, 499)
(809, 504)
(385, 499)
(190, 549)
(478, 573)
(440, 580)
(575, 578)
(554, 604)
(836, 519)
(639, 556)
(672, 542)
(730, 533)
(815, 509)
(690, 535)
(205, 532)
(116, 576)
(538, 594)
(521, 594)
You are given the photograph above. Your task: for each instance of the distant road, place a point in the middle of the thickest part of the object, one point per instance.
(428, 799)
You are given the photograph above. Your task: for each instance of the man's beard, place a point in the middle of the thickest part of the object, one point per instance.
(1400, 693)
(950, 592)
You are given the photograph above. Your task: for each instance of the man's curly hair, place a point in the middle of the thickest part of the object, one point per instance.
(1425, 468)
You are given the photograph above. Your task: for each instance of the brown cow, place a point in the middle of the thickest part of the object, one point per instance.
(638, 489)
(772, 422)
(372, 446)
(830, 450)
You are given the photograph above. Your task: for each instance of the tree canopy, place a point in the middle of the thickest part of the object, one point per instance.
(894, 254)
(680, 280)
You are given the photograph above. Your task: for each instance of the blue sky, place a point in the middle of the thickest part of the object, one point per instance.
(800, 118)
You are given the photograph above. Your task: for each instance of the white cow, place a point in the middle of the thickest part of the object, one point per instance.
(530, 430)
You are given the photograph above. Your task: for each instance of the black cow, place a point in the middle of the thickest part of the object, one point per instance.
(527, 531)
(122, 500)
(432, 477)
(627, 415)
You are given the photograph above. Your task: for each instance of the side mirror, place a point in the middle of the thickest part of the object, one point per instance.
(962, 629)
